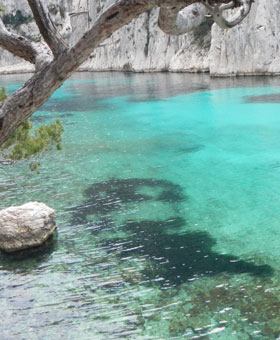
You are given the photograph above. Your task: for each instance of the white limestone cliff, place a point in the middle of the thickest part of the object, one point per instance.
(142, 46)
(250, 48)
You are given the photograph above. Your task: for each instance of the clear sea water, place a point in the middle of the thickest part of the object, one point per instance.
(167, 193)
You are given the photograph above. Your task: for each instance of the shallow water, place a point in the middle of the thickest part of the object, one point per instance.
(167, 195)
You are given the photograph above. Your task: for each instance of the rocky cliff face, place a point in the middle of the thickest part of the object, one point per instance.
(142, 46)
(251, 48)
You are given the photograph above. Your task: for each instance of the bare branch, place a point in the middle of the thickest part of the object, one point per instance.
(36, 53)
(17, 45)
(74, 14)
(176, 21)
(216, 12)
(47, 28)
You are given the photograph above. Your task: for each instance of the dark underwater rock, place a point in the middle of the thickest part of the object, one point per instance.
(105, 197)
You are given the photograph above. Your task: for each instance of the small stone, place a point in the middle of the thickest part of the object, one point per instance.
(26, 226)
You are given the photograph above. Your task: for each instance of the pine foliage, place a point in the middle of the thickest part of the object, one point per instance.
(27, 142)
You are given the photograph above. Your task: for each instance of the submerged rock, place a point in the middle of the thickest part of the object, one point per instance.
(26, 226)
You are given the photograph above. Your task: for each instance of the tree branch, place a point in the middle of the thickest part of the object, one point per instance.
(177, 21)
(36, 53)
(216, 12)
(17, 45)
(47, 28)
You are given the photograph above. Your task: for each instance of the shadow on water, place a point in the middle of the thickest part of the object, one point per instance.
(191, 149)
(265, 98)
(43, 118)
(73, 105)
(27, 260)
(172, 257)
(112, 195)
(178, 258)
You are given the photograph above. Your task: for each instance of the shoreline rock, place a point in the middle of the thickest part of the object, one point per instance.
(26, 226)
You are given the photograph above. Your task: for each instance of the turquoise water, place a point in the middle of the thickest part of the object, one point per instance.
(167, 195)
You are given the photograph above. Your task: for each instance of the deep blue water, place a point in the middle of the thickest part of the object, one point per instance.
(167, 195)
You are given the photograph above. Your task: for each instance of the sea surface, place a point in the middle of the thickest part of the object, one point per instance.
(167, 196)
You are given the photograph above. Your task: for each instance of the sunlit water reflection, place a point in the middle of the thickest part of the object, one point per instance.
(167, 200)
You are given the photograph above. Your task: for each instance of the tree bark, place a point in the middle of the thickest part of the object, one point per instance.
(177, 21)
(47, 28)
(51, 74)
(17, 45)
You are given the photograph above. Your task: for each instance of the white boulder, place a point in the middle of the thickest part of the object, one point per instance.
(26, 226)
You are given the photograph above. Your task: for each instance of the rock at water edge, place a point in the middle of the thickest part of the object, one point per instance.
(26, 226)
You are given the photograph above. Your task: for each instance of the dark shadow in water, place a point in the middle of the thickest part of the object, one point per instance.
(39, 119)
(112, 195)
(27, 260)
(77, 104)
(191, 149)
(178, 258)
(7, 187)
(264, 99)
(175, 257)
